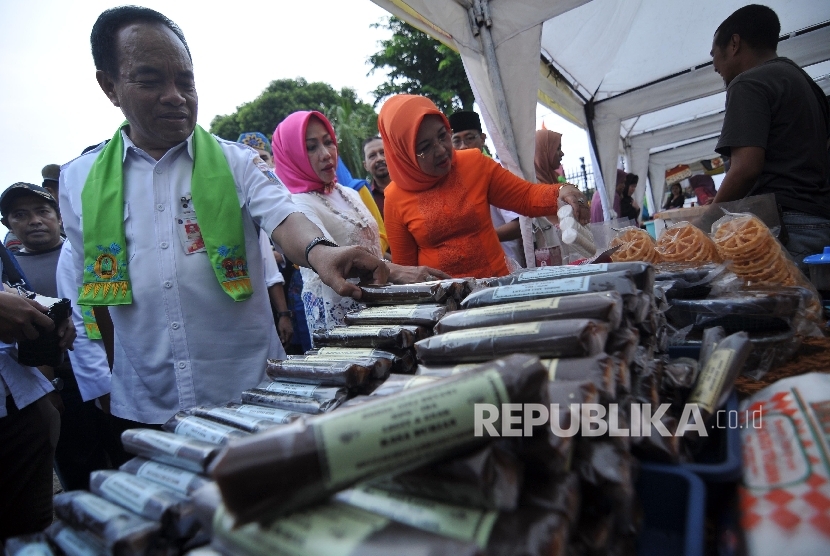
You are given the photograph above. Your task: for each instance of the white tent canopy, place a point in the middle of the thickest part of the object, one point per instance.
(623, 69)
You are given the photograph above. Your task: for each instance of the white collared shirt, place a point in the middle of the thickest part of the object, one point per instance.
(183, 341)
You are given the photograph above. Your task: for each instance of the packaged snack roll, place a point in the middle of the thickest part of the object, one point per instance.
(172, 449)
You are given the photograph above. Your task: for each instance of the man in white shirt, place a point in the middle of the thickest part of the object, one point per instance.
(183, 340)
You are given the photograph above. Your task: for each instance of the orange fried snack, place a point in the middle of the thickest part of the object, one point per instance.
(637, 245)
(753, 252)
(684, 243)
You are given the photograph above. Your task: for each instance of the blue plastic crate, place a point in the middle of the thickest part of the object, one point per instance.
(673, 501)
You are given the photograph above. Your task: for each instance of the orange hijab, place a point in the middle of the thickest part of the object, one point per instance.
(398, 123)
(547, 145)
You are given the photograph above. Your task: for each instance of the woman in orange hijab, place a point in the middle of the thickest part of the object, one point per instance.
(437, 210)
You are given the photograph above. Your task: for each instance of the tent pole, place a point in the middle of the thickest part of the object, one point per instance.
(481, 21)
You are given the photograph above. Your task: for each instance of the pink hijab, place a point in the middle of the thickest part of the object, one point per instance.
(290, 156)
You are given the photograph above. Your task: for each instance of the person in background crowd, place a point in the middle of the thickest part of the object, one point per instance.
(29, 422)
(305, 151)
(467, 134)
(675, 198)
(31, 213)
(439, 199)
(374, 162)
(259, 142)
(775, 129)
(547, 158)
(201, 263)
(51, 175)
(344, 178)
(596, 200)
(12, 242)
(628, 206)
(704, 188)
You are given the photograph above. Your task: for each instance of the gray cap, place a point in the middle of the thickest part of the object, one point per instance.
(21, 188)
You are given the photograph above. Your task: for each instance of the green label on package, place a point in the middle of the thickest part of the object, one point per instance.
(498, 310)
(449, 520)
(547, 272)
(327, 530)
(204, 430)
(360, 330)
(710, 383)
(271, 413)
(171, 477)
(554, 287)
(346, 352)
(398, 432)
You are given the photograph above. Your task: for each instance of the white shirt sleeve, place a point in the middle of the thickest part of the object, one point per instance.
(269, 263)
(89, 359)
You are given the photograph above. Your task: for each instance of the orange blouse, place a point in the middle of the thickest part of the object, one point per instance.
(448, 226)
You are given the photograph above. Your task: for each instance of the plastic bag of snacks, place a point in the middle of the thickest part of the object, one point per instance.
(684, 243)
(785, 493)
(752, 252)
(637, 245)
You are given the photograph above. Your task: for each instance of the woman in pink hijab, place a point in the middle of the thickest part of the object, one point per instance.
(305, 159)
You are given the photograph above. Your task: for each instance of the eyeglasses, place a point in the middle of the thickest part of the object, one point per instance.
(465, 140)
(440, 141)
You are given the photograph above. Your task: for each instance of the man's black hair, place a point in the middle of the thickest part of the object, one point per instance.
(631, 178)
(105, 30)
(757, 26)
(369, 140)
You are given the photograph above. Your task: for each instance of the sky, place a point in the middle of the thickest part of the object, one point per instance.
(51, 107)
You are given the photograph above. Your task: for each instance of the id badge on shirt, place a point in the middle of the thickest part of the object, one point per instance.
(189, 232)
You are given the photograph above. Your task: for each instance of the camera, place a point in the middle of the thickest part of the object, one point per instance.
(45, 349)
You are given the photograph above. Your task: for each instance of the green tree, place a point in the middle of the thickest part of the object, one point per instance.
(420, 65)
(353, 120)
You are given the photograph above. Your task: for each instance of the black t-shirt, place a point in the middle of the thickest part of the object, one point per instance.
(777, 106)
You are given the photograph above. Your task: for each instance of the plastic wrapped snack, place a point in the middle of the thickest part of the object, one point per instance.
(637, 245)
(175, 512)
(558, 338)
(601, 370)
(399, 383)
(785, 490)
(376, 336)
(182, 481)
(205, 430)
(279, 416)
(526, 532)
(767, 310)
(304, 462)
(29, 545)
(642, 273)
(444, 370)
(685, 243)
(418, 315)
(233, 418)
(331, 529)
(489, 477)
(176, 450)
(301, 398)
(437, 291)
(559, 493)
(75, 542)
(348, 374)
(718, 373)
(621, 282)
(122, 531)
(604, 306)
(380, 366)
(751, 251)
(402, 360)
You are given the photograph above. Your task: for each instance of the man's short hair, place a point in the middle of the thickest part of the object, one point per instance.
(103, 36)
(369, 140)
(757, 25)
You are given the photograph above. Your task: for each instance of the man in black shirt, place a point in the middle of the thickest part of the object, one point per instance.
(775, 129)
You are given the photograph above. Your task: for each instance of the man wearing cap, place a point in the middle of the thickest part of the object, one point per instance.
(29, 421)
(467, 134)
(51, 174)
(183, 285)
(31, 213)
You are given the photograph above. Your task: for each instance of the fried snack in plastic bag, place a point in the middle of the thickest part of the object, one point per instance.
(752, 251)
(686, 243)
(637, 245)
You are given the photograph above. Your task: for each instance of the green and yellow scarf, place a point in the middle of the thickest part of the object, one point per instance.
(213, 190)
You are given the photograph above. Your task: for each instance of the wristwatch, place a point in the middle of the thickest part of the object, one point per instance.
(314, 243)
(289, 314)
